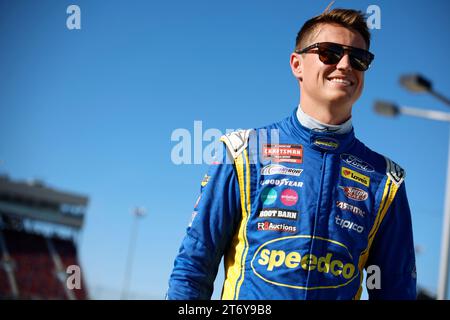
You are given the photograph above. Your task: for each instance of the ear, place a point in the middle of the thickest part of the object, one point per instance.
(297, 65)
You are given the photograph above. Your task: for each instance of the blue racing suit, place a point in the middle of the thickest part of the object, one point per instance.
(298, 214)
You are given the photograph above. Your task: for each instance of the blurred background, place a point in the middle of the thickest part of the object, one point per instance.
(87, 118)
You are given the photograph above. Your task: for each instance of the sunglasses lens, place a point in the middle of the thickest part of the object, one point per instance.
(360, 59)
(359, 63)
(330, 53)
(329, 56)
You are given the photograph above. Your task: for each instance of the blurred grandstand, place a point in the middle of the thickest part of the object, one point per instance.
(39, 229)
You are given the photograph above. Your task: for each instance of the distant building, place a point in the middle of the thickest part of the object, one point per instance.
(39, 228)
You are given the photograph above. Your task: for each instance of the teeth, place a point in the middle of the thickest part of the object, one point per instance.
(338, 80)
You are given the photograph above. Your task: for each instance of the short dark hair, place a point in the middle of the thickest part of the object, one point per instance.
(348, 18)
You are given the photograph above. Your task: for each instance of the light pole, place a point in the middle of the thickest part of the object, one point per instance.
(418, 83)
(138, 212)
(390, 109)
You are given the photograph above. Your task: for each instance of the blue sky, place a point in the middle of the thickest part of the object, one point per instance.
(92, 111)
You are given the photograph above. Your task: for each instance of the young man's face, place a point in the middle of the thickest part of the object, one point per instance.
(320, 84)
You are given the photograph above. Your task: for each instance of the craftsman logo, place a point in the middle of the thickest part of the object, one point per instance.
(289, 197)
(272, 169)
(278, 213)
(356, 162)
(348, 207)
(292, 153)
(281, 183)
(355, 176)
(354, 193)
(280, 227)
(347, 224)
(292, 262)
(268, 196)
(326, 143)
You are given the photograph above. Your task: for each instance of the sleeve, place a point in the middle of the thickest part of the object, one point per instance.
(392, 252)
(208, 235)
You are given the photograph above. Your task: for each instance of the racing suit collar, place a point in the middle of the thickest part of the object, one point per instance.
(321, 141)
(314, 124)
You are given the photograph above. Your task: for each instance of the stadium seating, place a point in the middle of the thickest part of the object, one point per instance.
(34, 267)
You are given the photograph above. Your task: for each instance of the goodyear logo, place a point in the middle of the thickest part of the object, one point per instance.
(287, 262)
(327, 144)
(355, 176)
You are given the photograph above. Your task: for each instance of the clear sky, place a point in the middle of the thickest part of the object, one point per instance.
(92, 110)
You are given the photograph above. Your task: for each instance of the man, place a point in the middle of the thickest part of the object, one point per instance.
(299, 208)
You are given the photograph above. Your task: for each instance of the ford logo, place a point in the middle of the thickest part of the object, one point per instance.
(356, 162)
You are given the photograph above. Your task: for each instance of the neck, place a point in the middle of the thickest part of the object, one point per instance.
(316, 125)
(326, 114)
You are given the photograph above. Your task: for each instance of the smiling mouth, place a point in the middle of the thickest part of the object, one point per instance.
(345, 82)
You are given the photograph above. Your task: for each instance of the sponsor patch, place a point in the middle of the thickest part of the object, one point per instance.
(348, 207)
(282, 182)
(289, 197)
(354, 193)
(347, 224)
(268, 196)
(356, 162)
(292, 153)
(326, 143)
(272, 169)
(355, 176)
(205, 180)
(278, 213)
(280, 227)
(289, 262)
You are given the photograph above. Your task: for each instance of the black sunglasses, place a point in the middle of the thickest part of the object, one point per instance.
(332, 53)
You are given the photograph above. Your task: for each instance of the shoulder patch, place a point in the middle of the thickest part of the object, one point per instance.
(236, 141)
(396, 173)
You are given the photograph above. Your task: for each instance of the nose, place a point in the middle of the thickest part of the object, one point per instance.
(344, 63)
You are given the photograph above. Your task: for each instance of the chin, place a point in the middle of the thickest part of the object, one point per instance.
(340, 98)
